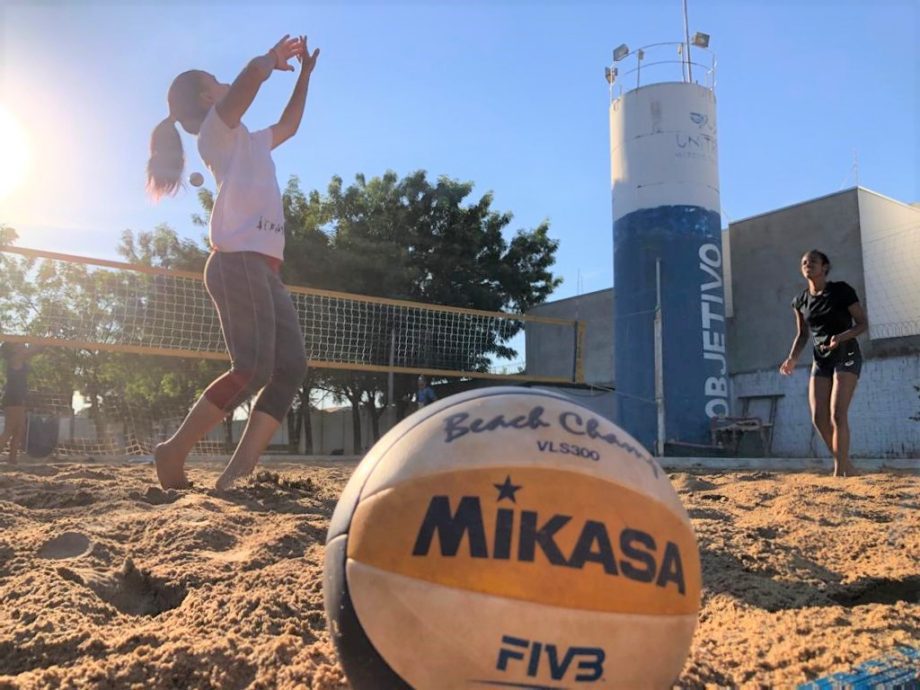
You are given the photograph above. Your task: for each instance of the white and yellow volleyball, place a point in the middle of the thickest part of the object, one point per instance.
(510, 538)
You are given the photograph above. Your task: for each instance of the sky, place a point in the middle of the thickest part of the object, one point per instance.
(507, 94)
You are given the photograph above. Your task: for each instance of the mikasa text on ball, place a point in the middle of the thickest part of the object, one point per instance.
(510, 538)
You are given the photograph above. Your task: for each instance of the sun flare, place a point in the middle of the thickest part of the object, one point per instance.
(14, 153)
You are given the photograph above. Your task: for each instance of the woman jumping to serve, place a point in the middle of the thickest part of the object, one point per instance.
(257, 316)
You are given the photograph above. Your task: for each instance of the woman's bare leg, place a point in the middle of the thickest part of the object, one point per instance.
(819, 399)
(842, 395)
(169, 456)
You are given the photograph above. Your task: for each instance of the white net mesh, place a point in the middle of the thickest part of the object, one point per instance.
(107, 305)
(94, 307)
(890, 233)
(116, 430)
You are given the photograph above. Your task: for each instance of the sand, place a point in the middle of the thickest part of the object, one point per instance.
(108, 582)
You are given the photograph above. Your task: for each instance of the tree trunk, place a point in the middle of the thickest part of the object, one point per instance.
(374, 413)
(308, 422)
(294, 418)
(356, 428)
(355, 399)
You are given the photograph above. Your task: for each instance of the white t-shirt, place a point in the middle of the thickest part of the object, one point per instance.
(248, 215)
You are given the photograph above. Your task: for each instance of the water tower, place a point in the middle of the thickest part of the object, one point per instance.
(670, 367)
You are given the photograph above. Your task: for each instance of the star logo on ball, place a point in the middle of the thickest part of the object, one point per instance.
(507, 489)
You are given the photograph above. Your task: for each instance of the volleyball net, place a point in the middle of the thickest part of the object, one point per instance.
(82, 303)
(79, 302)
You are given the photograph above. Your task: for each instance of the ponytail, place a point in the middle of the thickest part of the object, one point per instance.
(164, 169)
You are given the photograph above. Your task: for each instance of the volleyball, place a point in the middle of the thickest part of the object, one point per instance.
(510, 537)
(196, 179)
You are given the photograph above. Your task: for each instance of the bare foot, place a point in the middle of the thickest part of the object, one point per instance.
(170, 468)
(226, 480)
(848, 470)
(235, 470)
(229, 477)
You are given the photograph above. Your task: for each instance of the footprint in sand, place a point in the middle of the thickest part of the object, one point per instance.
(156, 496)
(689, 484)
(67, 545)
(707, 514)
(6, 558)
(132, 591)
(87, 474)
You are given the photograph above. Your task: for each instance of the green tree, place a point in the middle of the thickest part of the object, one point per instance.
(163, 386)
(21, 306)
(411, 239)
(8, 236)
(162, 248)
(65, 301)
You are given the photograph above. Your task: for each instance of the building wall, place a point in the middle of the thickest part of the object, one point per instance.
(891, 256)
(764, 277)
(851, 228)
(331, 431)
(549, 352)
(880, 416)
(765, 252)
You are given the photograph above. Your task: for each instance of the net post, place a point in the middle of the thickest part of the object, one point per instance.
(578, 368)
(391, 387)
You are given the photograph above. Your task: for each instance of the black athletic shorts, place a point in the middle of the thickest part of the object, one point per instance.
(846, 358)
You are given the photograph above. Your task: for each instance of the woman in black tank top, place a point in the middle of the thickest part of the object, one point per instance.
(832, 313)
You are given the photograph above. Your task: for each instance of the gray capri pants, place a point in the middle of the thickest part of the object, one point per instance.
(261, 331)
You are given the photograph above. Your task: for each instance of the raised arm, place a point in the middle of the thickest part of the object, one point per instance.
(244, 88)
(287, 126)
(801, 337)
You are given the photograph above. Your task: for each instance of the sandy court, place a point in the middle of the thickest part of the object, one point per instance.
(108, 582)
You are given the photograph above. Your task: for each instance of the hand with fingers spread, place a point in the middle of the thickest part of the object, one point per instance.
(307, 61)
(284, 50)
(290, 119)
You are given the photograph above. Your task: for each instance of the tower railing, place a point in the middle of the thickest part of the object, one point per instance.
(660, 62)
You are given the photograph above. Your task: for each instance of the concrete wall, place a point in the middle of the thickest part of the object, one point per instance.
(764, 277)
(765, 254)
(549, 353)
(891, 256)
(880, 415)
(766, 251)
(331, 432)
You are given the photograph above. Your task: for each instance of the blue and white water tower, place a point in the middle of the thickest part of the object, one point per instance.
(671, 374)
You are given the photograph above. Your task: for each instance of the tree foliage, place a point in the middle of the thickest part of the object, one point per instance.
(409, 238)
(75, 302)
(416, 240)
